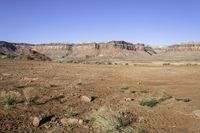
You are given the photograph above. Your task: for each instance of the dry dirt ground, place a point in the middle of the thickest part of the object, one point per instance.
(55, 90)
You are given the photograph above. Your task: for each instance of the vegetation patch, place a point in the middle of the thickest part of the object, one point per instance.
(106, 120)
(124, 88)
(73, 114)
(31, 94)
(149, 102)
(183, 99)
(10, 97)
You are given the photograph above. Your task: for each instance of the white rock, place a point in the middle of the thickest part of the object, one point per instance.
(36, 121)
(64, 121)
(72, 121)
(86, 99)
(80, 121)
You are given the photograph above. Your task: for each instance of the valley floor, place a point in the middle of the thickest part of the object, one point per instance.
(57, 90)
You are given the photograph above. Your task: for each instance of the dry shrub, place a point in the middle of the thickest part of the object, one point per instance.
(107, 120)
(10, 97)
(31, 94)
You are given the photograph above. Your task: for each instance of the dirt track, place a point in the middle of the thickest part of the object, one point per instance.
(61, 85)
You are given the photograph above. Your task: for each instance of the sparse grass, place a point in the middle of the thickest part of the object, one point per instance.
(148, 102)
(9, 101)
(140, 130)
(104, 120)
(73, 114)
(79, 83)
(98, 63)
(183, 99)
(109, 63)
(166, 64)
(10, 97)
(92, 120)
(109, 121)
(31, 94)
(132, 91)
(124, 88)
(53, 85)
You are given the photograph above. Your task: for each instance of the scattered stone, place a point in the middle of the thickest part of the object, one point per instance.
(36, 121)
(64, 121)
(5, 74)
(197, 113)
(80, 121)
(139, 83)
(47, 126)
(129, 99)
(71, 121)
(53, 119)
(86, 99)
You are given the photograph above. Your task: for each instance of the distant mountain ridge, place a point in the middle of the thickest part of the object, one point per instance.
(117, 50)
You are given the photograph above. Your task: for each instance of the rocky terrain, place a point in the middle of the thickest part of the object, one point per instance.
(51, 97)
(94, 51)
(20, 51)
(138, 89)
(105, 51)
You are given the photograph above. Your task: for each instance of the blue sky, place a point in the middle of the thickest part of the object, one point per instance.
(148, 21)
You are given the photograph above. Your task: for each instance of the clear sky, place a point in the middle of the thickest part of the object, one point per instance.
(147, 21)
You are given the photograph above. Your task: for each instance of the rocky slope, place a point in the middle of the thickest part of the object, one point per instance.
(20, 51)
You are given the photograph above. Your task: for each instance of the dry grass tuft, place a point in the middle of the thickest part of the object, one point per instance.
(31, 94)
(107, 120)
(10, 97)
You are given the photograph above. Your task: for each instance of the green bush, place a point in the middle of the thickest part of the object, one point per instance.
(149, 102)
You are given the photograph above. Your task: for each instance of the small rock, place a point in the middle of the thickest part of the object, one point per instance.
(80, 121)
(140, 119)
(129, 99)
(36, 121)
(86, 99)
(139, 83)
(70, 121)
(197, 113)
(5, 74)
(64, 121)
(47, 126)
(53, 119)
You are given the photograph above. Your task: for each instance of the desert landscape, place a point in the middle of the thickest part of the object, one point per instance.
(99, 66)
(99, 87)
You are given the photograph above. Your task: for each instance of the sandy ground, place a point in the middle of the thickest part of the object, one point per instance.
(60, 85)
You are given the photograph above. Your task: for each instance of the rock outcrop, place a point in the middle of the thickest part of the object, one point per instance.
(187, 46)
(20, 51)
(90, 51)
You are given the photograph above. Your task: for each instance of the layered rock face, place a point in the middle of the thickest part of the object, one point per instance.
(117, 50)
(113, 49)
(190, 46)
